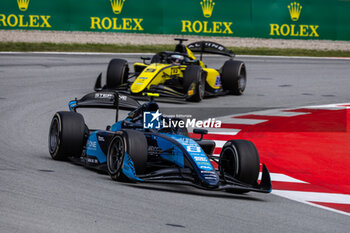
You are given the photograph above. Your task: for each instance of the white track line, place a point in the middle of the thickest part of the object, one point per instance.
(240, 121)
(224, 133)
(315, 196)
(289, 195)
(219, 143)
(208, 55)
(280, 113)
(221, 131)
(283, 178)
(309, 197)
(76, 53)
(233, 120)
(327, 107)
(299, 196)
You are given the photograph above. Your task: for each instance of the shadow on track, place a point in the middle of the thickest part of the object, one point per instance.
(170, 188)
(185, 189)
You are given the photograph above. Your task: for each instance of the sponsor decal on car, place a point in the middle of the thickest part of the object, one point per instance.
(91, 145)
(195, 151)
(149, 70)
(205, 167)
(218, 81)
(199, 158)
(90, 160)
(123, 97)
(175, 71)
(104, 96)
(193, 148)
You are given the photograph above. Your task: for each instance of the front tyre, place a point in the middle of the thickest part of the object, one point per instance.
(240, 160)
(127, 141)
(194, 80)
(115, 157)
(66, 136)
(117, 73)
(234, 77)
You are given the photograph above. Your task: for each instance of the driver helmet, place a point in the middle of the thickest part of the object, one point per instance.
(177, 59)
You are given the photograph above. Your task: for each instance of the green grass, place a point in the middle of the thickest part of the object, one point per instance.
(111, 48)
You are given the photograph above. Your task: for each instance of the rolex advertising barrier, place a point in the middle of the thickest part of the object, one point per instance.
(302, 19)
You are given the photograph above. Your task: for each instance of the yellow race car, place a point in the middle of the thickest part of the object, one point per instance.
(178, 74)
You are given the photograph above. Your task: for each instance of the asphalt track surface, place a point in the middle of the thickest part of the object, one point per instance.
(38, 194)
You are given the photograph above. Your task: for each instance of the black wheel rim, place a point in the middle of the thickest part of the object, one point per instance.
(116, 155)
(229, 162)
(54, 135)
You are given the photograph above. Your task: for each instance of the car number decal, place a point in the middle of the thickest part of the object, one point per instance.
(175, 71)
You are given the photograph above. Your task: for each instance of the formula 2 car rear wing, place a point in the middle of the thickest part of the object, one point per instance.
(105, 99)
(209, 47)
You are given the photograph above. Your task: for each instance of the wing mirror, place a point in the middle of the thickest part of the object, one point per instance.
(144, 58)
(201, 132)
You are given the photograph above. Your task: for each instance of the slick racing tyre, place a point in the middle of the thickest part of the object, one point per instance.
(234, 77)
(132, 142)
(194, 75)
(66, 136)
(117, 73)
(240, 159)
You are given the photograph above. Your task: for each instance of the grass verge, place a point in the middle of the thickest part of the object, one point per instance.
(111, 48)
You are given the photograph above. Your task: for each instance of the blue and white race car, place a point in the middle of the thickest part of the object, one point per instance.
(130, 152)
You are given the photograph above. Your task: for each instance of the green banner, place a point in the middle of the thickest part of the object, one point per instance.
(287, 19)
(304, 19)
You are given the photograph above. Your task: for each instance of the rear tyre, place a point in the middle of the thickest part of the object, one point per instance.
(135, 144)
(234, 77)
(66, 136)
(117, 73)
(240, 159)
(194, 75)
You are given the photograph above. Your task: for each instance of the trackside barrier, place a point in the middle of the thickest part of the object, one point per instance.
(287, 19)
